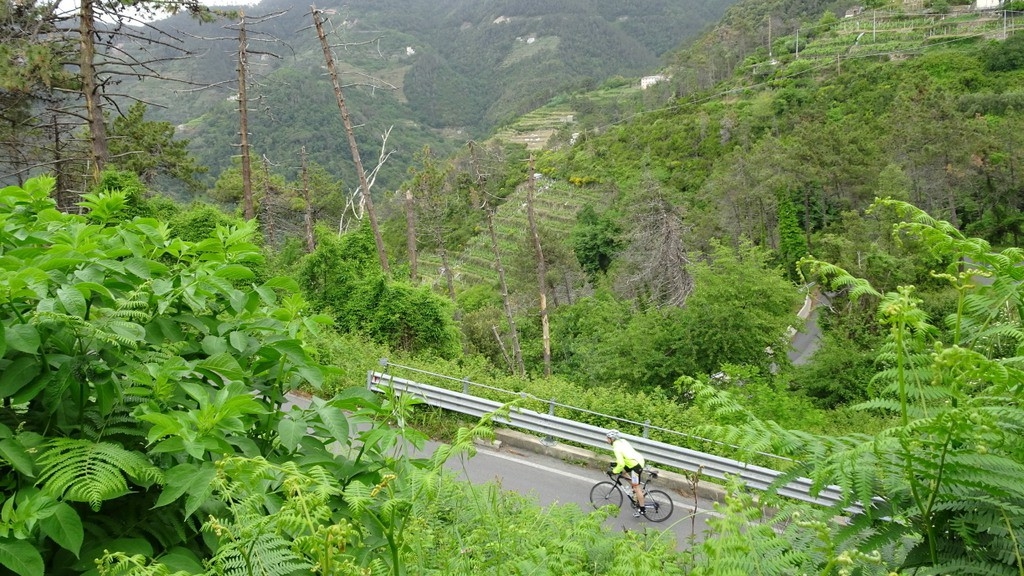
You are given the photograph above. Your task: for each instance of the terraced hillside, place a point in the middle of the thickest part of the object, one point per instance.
(536, 128)
(898, 33)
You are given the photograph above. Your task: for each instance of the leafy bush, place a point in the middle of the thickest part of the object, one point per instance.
(343, 279)
(1005, 56)
(130, 366)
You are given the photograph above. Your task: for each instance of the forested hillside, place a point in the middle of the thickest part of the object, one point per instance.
(439, 75)
(646, 262)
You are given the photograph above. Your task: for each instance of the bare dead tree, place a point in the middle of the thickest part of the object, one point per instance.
(95, 45)
(431, 199)
(657, 248)
(517, 354)
(82, 53)
(243, 120)
(542, 271)
(479, 194)
(268, 201)
(410, 234)
(354, 203)
(307, 204)
(91, 88)
(353, 146)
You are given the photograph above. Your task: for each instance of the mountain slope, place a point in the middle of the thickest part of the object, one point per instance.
(438, 72)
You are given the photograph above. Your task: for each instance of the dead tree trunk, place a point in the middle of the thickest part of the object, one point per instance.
(347, 121)
(243, 115)
(449, 278)
(91, 90)
(268, 204)
(542, 272)
(410, 235)
(517, 354)
(308, 213)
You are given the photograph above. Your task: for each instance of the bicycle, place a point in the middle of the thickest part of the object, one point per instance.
(658, 505)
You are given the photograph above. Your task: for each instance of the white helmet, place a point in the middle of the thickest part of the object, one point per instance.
(612, 434)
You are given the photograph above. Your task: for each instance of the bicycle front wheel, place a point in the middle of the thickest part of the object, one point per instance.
(658, 506)
(606, 494)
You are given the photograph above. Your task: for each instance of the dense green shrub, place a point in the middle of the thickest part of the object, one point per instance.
(343, 278)
(1005, 56)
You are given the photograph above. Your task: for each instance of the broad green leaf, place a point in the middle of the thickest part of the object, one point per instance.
(214, 345)
(234, 272)
(23, 338)
(20, 557)
(64, 527)
(313, 375)
(201, 488)
(12, 452)
(180, 559)
(354, 398)
(224, 365)
(162, 287)
(239, 340)
(269, 296)
(163, 425)
(177, 481)
(33, 388)
(106, 392)
(197, 391)
(245, 445)
(39, 187)
(237, 299)
(292, 349)
(336, 423)
(90, 288)
(161, 330)
(17, 374)
(72, 300)
(291, 432)
(144, 268)
(3, 340)
(283, 283)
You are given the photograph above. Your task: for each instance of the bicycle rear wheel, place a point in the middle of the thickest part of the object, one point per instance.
(606, 494)
(658, 505)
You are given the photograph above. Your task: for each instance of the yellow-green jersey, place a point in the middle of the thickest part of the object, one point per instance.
(625, 456)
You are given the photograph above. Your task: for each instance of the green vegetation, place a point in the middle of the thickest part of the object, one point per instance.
(869, 161)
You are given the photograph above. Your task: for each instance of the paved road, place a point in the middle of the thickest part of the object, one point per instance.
(806, 342)
(550, 480)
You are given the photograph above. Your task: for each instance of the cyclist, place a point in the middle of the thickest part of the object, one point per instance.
(627, 458)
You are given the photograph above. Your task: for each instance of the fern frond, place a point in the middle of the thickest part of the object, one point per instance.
(92, 472)
(968, 567)
(262, 555)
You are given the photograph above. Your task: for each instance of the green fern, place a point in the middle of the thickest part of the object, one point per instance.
(121, 564)
(261, 554)
(92, 472)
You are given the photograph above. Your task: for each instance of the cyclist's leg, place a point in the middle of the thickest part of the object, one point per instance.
(634, 479)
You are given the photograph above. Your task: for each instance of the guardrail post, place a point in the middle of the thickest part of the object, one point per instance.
(465, 385)
(548, 440)
(647, 430)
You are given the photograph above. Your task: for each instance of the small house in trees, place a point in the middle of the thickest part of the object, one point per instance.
(648, 81)
(987, 4)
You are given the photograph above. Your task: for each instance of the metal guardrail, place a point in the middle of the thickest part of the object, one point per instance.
(717, 467)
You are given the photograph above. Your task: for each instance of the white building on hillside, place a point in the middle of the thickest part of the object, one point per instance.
(648, 81)
(987, 4)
